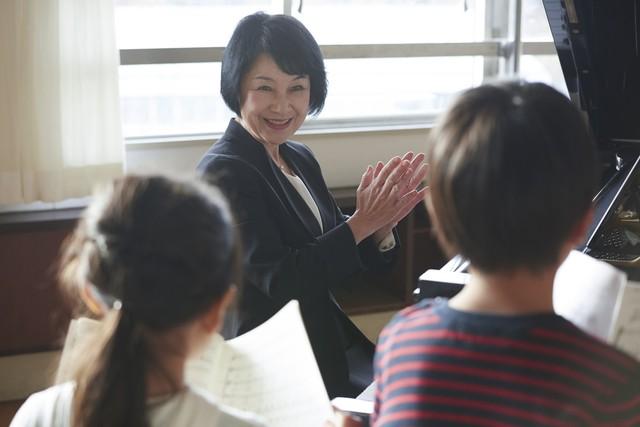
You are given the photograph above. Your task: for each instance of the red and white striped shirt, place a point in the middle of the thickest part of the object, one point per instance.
(438, 366)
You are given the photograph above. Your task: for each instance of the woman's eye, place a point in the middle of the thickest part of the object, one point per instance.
(298, 88)
(265, 88)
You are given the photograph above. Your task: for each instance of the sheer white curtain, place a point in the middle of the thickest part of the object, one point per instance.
(60, 130)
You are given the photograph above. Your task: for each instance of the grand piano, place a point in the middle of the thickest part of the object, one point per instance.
(598, 44)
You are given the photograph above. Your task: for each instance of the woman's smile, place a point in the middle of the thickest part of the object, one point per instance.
(278, 124)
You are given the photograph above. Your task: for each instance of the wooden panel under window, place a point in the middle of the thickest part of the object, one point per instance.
(33, 315)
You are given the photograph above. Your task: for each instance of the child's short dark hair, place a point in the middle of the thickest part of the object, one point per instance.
(513, 170)
(284, 39)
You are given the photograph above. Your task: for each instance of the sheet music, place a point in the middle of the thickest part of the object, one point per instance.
(270, 371)
(586, 291)
(626, 333)
(273, 373)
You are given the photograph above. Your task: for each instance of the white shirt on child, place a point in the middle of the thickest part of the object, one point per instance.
(190, 407)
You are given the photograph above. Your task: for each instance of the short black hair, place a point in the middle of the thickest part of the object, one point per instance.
(513, 170)
(287, 41)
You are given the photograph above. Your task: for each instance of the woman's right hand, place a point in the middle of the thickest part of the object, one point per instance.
(409, 184)
(379, 198)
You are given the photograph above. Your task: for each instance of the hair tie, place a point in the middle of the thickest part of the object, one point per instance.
(105, 301)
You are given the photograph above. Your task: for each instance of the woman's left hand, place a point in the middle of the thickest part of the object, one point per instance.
(414, 175)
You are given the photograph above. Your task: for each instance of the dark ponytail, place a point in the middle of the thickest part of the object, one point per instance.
(157, 253)
(111, 387)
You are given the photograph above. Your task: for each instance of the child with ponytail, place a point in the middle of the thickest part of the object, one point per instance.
(156, 260)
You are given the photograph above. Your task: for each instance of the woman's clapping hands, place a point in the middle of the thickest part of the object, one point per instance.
(386, 194)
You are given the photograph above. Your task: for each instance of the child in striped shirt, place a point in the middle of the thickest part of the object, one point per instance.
(513, 172)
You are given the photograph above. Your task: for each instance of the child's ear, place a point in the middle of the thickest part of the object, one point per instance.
(213, 318)
(447, 247)
(580, 229)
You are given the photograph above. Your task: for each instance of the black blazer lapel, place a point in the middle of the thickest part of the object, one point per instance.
(294, 198)
(239, 140)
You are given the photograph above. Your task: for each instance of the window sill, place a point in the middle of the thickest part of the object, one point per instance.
(41, 212)
(328, 127)
(10, 221)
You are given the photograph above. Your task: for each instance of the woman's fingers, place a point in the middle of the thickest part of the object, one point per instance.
(395, 180)
(408, 156)
(387, 192)
(367, 178)
(362, 195)
(378, 169)
(415, 173)
(405, 181)
(417, 160)
(387, 169)
(408, 202)
(383, 173)
(412, 178)
(418, 176)
(413, 161)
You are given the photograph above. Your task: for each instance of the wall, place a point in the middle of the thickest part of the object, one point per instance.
(342, 155)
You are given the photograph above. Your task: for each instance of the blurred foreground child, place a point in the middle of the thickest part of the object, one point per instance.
(513, 172)
(156, 259)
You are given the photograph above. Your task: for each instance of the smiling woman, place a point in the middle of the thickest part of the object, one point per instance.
(274, 105)
(297, 243)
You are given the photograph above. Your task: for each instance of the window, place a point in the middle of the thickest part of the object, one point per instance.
(389, 62)
(148, 24)
(544, 65)
(387, 87)
(393, 21)
(172, 99)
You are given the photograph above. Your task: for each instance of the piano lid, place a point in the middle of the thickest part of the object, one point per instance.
(598, 43)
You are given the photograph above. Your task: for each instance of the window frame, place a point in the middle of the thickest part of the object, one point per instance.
(503, 48)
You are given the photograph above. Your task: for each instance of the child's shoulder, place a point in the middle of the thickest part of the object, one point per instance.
(426, 307)
(49, 407)
(418, 315)
(573, 335)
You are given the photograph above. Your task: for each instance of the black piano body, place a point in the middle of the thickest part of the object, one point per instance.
(598, 45)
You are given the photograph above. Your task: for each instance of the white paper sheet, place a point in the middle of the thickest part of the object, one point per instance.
(626, 330)
(586, 291)
(270, 371)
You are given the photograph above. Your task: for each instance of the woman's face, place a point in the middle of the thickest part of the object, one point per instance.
(273, 104)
